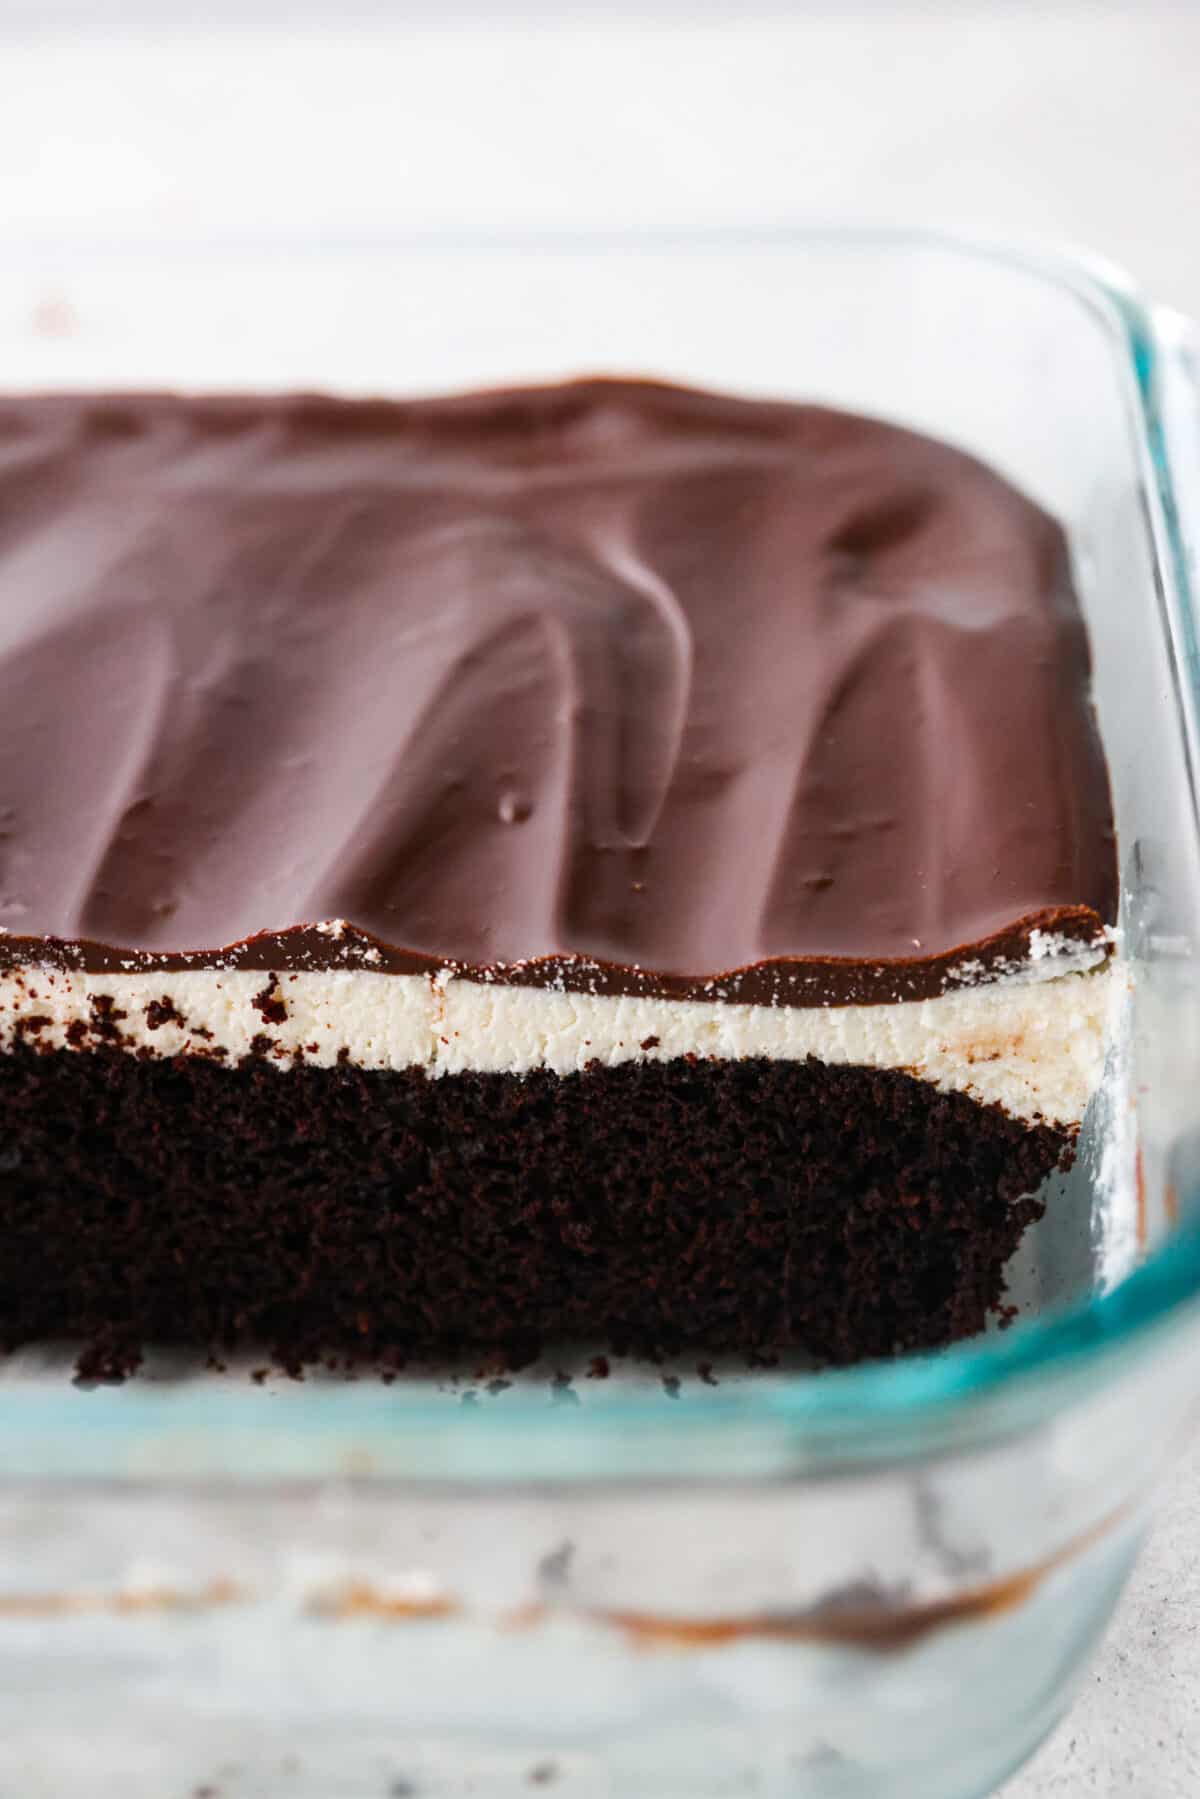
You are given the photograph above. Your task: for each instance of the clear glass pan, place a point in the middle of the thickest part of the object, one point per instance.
(992, 1494)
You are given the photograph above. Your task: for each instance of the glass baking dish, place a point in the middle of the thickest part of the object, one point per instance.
(880, 1581)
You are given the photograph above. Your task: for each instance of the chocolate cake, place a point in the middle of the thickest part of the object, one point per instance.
(603, 861)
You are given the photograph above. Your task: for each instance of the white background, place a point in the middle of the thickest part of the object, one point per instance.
(1068, 121)
(1074, 120)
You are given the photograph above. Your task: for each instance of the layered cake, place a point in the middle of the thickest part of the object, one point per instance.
(604, 861)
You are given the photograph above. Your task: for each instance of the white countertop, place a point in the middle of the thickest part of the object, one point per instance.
(1136, 1726)
(1059, 121)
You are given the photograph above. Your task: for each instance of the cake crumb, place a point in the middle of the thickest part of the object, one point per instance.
(108, 1362)
(651, 1042)
(269, 1003)
(598, 1368)
(543, 1773)
(162, 1011)
(106, 1018)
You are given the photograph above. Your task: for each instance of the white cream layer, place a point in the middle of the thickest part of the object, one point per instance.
(1034, 1046)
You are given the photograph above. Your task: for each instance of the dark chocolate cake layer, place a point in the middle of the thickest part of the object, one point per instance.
(613, 685)
(651, 1206)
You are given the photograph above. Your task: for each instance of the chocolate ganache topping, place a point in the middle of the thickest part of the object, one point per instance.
(611, 684)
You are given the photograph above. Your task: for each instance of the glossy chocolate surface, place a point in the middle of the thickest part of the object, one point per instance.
(634, 687)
